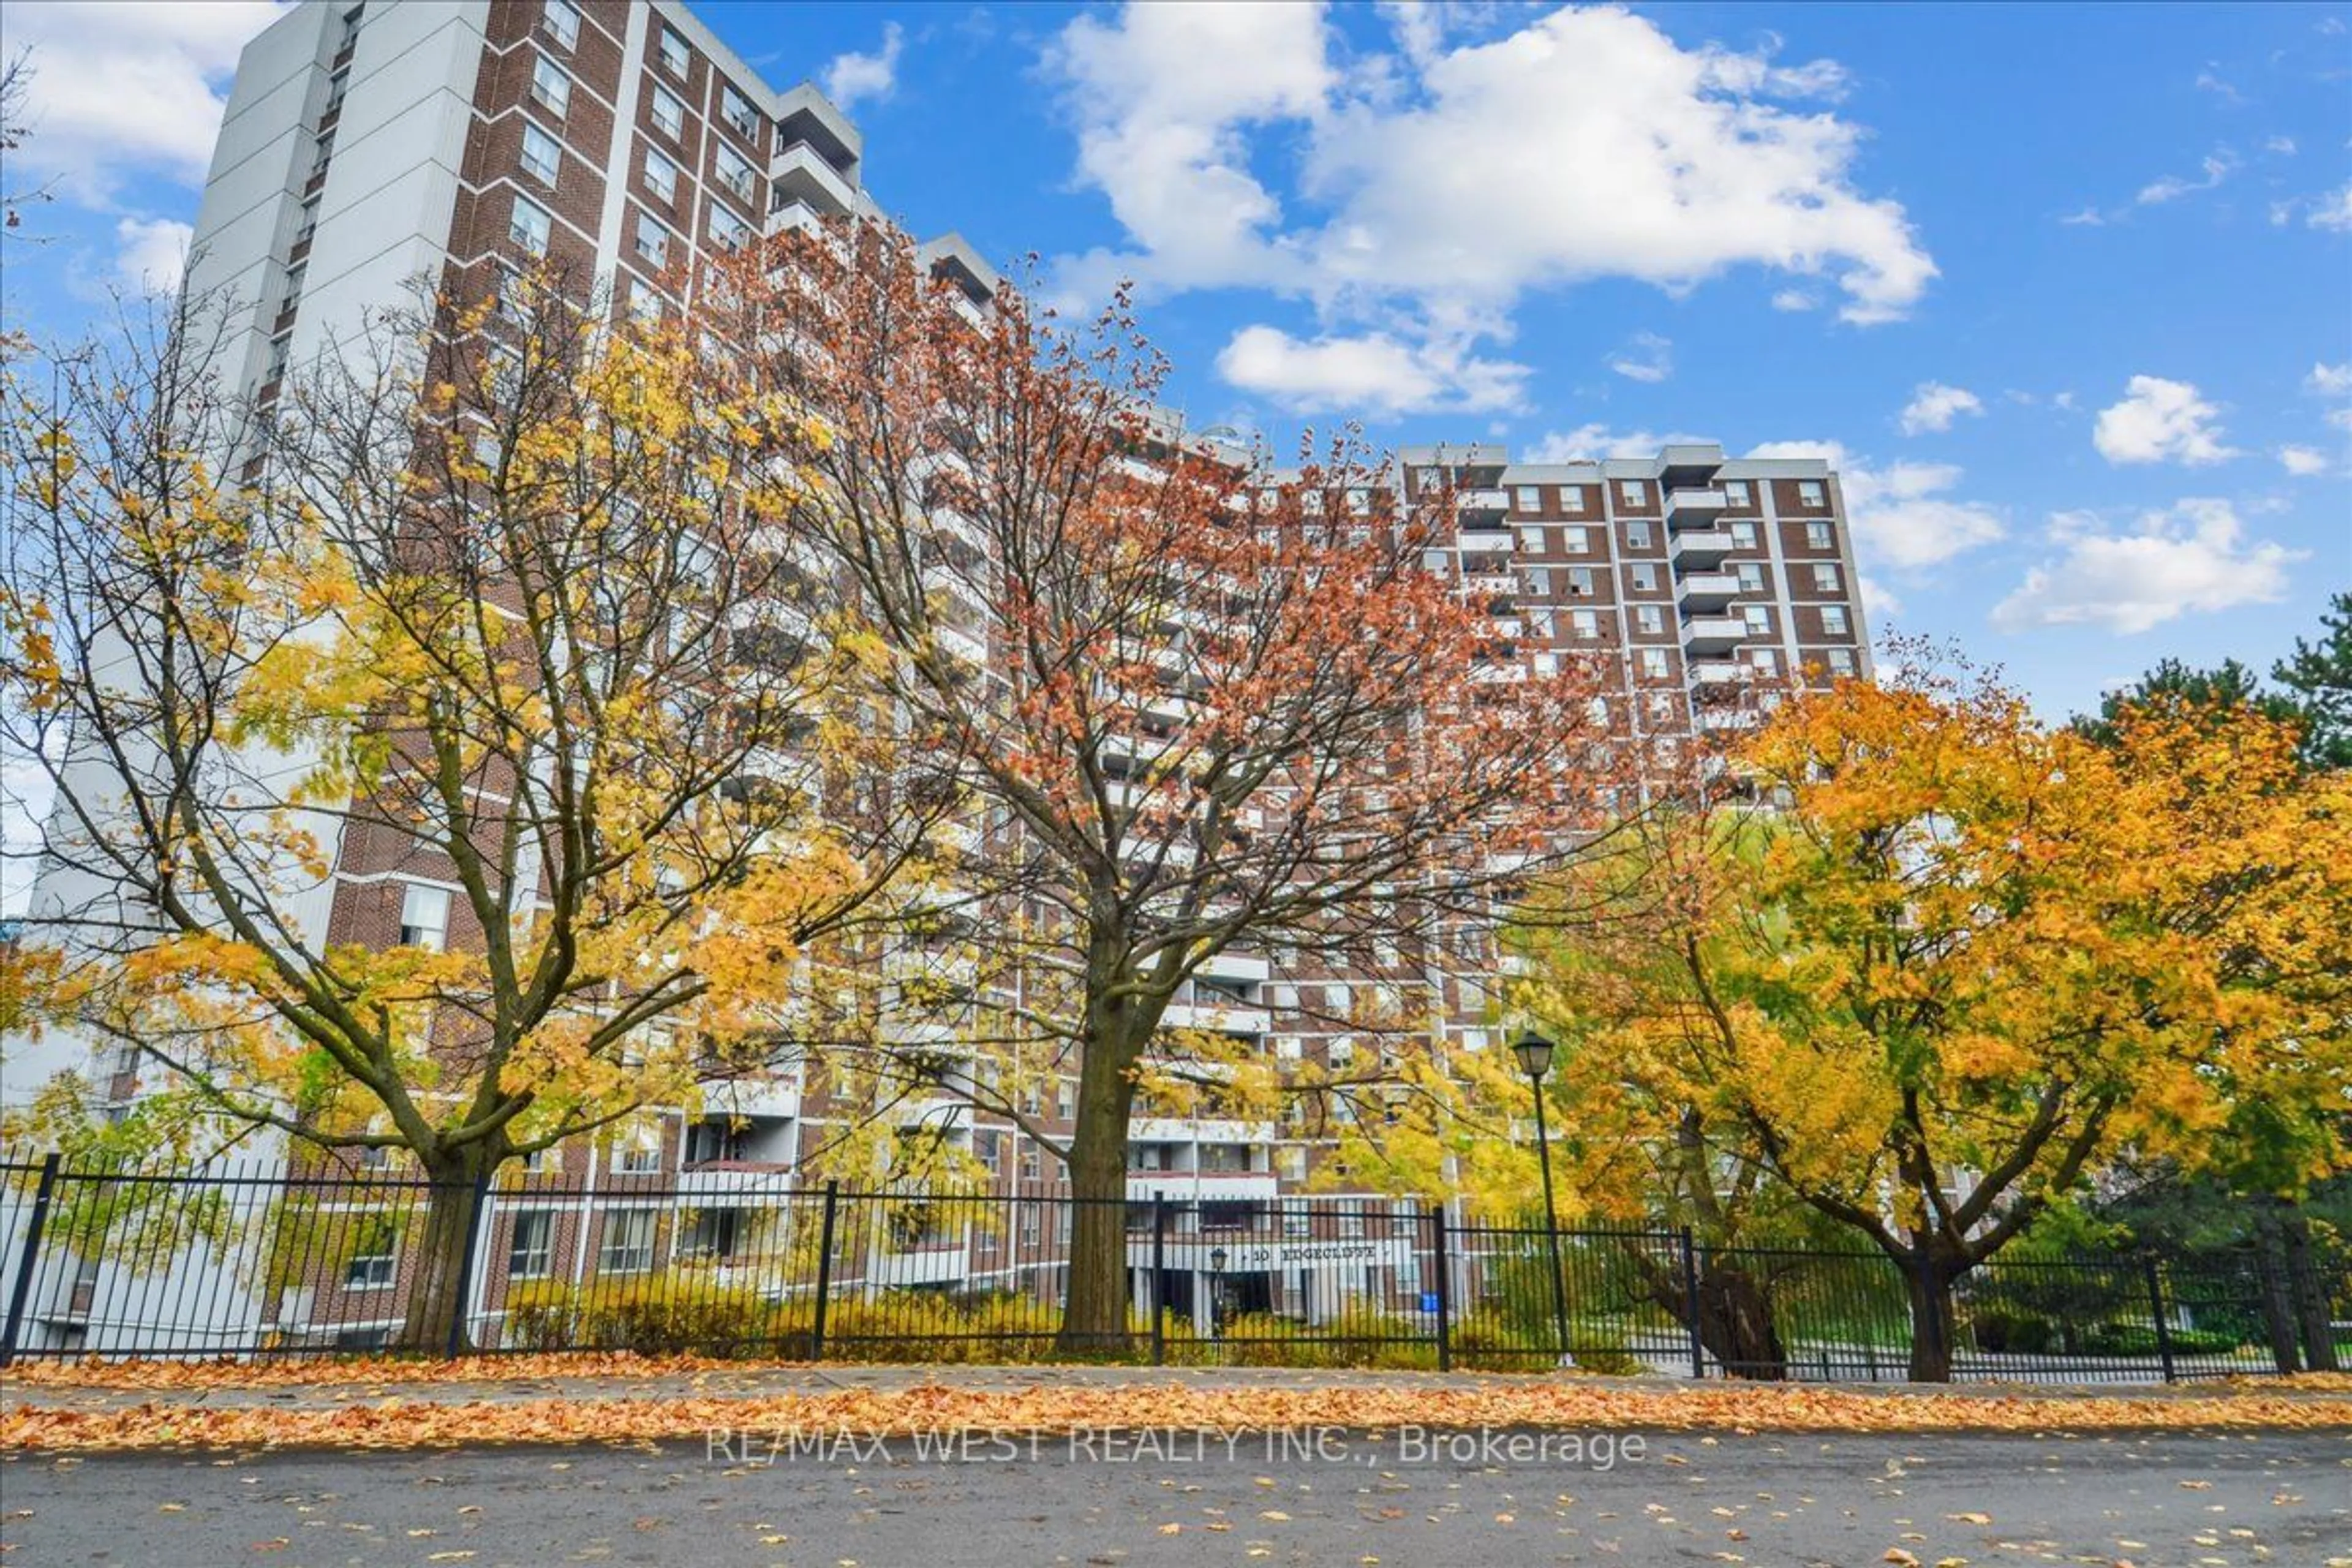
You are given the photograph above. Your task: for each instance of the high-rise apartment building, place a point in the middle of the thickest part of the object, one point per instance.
(369, 148)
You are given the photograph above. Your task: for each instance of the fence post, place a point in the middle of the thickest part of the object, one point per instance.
(1159, 1279)
(461, 1308)
(1690, 1303)
(1444, 1288)
(42, 1196)
(823, 1269)
(2156, 1306)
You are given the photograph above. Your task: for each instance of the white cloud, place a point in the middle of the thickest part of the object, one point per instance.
(851, 77)
(154, 253)
(2302, 462)
(1880, 603)
(1374, 373)
(1903, 517)
(1589, 443)
(2217, 166)
(2341, 419)
(2333, 211)
(2159, 421)
(2283, 146)
(2089, 217)
(2329, 380)
(1651, 358)
(1795, 299)
(2190, 558)
(1934, 406)
(1685, 162)
(126, 87)
(2209, 80)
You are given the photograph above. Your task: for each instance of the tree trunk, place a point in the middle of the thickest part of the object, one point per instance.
(2278, 1307)
(1094, 1301)
(1928, 1279)
(438, 1283)
(2309, 1293)
(1736, 1324)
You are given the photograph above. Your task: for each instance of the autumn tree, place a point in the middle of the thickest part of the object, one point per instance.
(1189, 705)
(1965, 959)
(430, 771)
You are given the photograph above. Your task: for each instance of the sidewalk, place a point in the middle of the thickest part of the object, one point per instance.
(383, 1409)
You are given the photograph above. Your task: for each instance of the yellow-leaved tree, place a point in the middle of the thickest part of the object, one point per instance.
(442, 757)
(1956, 959)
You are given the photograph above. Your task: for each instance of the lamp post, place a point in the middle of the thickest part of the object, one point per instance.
(1535, 1059)
(1216, 1285)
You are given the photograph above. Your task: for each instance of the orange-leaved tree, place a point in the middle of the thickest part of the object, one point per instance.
(427, 772)
(1192, 705)
(1966, 957)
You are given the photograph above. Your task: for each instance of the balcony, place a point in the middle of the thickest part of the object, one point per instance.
(1720, 672)
(1486, 584)
(1198, 1130)
(802, 173)
(1713, 633)
(1693, 508)
(1709, 589)
(1700, 544)
(1728, 719)
(960, 646)
(1237, 967)
(1482, 508)
(1221, 1020)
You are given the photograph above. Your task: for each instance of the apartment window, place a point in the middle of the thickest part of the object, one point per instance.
(1759, 618)
(1532, 540)
(1571, 497)
(1812, 492)
(424, 916)
(735, 173)
(1842, 661)
(278, 349)
(661, 175)
(530, 227)
(1820, 536)
(542, 154)
(1539, 627)
(1530, 498)
(739, 112)
(310, 223)
(674, 54)
(1752, 577)
(375, 1254)
(1579, 540)
(559, 19)
(727, 230)
(653, 240)
(295, 276)
(322, 152)
(1645, 577)
(1767, 661)
(715, 1233)
(1579, 581)
(628, 1242)
(644, 304)
(1584, 623)
(534, 1236)
(1743, 535)
(1651, 618)
(1637, 536)
(1735, 492)
(1825, 577)
(1654, 663)
(550, 84)
(1632, 492)
(637, 1151)
(669, 114)
(1833, 622)
(337, 86)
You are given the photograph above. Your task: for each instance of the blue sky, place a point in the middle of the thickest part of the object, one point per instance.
(2067, 292)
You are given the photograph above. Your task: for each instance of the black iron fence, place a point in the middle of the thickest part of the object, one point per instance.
(265, 1259)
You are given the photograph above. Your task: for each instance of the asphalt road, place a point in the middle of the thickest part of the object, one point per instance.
(1347, 1498)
